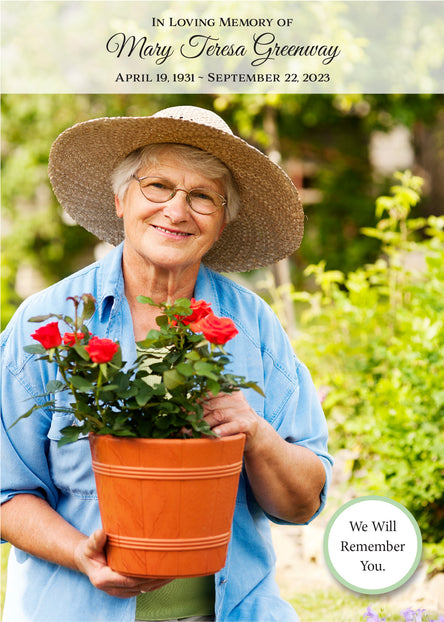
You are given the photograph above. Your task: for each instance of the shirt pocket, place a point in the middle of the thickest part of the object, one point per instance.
(70, 465)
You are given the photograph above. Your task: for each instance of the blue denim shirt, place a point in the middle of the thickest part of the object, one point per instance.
(32, 463)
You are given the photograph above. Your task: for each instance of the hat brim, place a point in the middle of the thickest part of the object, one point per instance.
(270, 223)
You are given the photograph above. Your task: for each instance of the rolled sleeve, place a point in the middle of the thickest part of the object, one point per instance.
(299, 419)
(25, 467)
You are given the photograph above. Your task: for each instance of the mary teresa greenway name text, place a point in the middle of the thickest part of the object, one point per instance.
(255, 41)
(258, 45)
(264, 47)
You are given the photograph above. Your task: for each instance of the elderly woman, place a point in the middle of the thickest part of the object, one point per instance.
(183, 199)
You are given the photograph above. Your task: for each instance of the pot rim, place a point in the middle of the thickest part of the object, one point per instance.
(175, 441)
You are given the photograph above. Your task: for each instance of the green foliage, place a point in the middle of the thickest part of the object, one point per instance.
(161, 395)
(35, 233)
(328, 137)
(375, 339)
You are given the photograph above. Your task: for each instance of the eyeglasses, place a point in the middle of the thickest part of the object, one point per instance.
(201, 200)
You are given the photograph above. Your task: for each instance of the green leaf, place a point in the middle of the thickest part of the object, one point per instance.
(70, 434)
(193, 356)
(81, 351)
(144, 394)
(104, 370)
(31, 410)
(152, 335)
(41, 318)
(108, 387)
(35, 348)
(172, 379)
(213, 387)
(205, 369)
(122, 380)
(182, 303)
(255, 387)
(127, 393)
(182, 307)
(116, 361)
(186, 369)
(84, 329)
(158, 368)
(162, 320)
(81, 384)
(163, 423)
(54, 386)
(146, 300)
(159, 390)
(89, 306)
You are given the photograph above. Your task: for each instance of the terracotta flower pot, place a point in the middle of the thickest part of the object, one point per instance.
(167, 504)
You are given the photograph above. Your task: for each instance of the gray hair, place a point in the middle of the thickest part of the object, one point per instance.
(192, 157)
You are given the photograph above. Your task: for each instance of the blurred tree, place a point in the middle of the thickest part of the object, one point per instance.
(323, 141)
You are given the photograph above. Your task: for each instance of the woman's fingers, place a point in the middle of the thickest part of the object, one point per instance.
(91, 560)
(229, 414)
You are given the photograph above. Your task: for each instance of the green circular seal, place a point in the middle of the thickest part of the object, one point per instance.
(372, 545)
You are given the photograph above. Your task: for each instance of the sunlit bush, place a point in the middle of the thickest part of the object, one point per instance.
(374, 341)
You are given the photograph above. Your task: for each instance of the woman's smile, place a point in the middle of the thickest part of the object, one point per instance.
(173, 233)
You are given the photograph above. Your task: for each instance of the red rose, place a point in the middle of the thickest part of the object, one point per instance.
(101, 350)
(199, 308)
(70, 339)
(215, 329)
(48, 335)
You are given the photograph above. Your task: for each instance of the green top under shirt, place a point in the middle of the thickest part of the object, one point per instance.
(181, 598)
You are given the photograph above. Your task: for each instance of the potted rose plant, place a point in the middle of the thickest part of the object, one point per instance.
(153, 453)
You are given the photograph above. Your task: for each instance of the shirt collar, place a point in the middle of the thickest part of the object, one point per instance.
(205, 288)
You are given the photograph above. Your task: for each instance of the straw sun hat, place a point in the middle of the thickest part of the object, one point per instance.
(270, 223)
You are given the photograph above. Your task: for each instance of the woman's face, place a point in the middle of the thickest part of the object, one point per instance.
(169, 235)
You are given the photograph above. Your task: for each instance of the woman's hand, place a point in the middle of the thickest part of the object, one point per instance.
(32, 525)
(230, 413)
(286, 478)
(91, 560)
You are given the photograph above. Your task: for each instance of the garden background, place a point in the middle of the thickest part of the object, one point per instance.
(361, 300)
